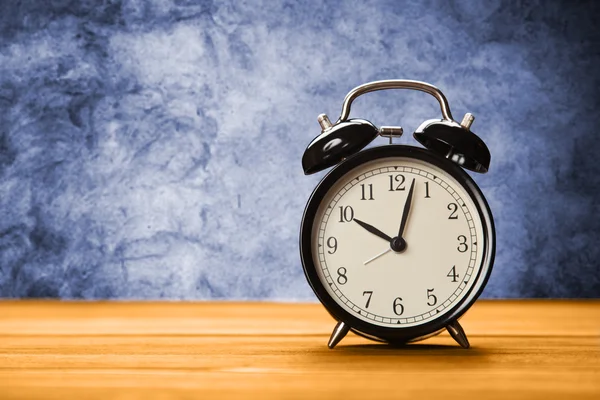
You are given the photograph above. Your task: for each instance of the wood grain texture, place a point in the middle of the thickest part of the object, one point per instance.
(520, 349)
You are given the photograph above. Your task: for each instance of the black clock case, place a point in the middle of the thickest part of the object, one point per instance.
(400, 334)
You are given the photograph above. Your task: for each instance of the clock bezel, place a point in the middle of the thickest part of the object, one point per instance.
(396, 334)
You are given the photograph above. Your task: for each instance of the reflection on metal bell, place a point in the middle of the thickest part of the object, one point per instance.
(455, 142)
(337, 142)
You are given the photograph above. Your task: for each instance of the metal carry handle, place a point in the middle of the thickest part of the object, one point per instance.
(395, 84)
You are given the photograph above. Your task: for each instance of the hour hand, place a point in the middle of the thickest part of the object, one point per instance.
(373, 230)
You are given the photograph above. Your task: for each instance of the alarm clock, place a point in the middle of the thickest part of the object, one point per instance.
(397, 242)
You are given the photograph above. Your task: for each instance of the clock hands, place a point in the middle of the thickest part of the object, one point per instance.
(373, 230)
(406, 209)
(397, 244)
(378, 255)
(378, 233)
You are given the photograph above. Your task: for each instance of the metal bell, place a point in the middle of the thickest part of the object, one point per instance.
(336, 142)
(455, 142)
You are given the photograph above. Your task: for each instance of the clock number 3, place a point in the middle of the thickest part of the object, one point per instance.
(462, 244)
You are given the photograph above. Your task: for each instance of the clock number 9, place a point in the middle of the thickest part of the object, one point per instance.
(398, 307)
(342, 279)
(332, 244)
(462, 244)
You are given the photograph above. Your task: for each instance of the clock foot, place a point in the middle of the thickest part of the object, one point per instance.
(458, 334)
(340, 330)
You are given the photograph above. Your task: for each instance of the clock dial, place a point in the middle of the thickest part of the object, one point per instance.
(397, 242)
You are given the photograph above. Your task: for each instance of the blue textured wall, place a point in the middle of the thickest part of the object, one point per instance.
(151, 149)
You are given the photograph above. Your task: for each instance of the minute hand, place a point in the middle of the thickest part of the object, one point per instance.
(406, 209)
(373, 230)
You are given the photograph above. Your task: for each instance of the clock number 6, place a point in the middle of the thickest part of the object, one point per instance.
(462, 244)
(398, 306)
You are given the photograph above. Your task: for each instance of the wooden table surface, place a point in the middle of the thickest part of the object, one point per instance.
(520, 349)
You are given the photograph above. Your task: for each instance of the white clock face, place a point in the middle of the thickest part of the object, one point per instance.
(424, 270)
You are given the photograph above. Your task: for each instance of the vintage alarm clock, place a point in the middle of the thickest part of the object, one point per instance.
(397, 241)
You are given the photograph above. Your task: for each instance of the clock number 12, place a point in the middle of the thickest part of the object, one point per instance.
(397, 182)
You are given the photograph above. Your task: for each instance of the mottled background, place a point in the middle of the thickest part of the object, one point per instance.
(151, 149)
